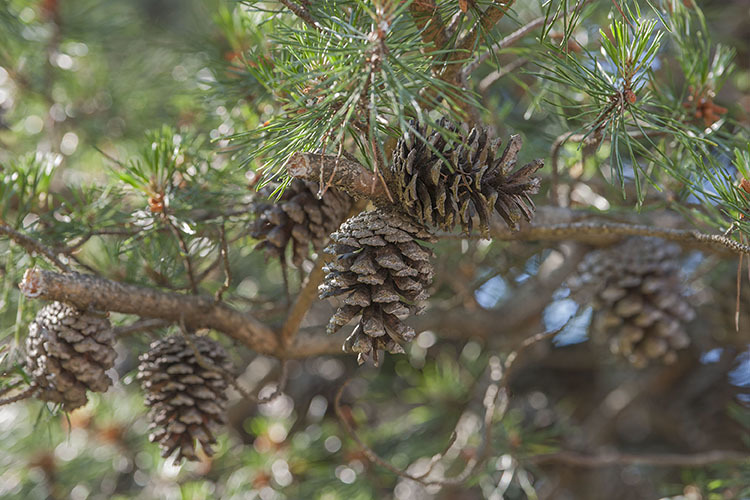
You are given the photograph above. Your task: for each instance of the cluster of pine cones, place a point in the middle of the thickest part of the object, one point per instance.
(439, 179)
(69, 351)
(639, 306)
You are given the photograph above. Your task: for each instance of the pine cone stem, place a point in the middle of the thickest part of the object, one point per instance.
(347, 175)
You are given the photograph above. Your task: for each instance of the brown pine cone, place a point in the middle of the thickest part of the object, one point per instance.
(384, 273)
(68, 351)
(186, 394)
(638, 300)
(443, 182)
(298, 219)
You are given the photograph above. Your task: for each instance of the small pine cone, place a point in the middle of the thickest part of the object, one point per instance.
(299, 217)
(474, 183)
(637, 298)
(384, 273)
(68, 351)
(186, 394)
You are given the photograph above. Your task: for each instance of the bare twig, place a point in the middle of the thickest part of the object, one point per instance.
(224, 252)
(604, 232)
(497, 388)
(138, 326)
(514, 37)
(27, 393)
(278, 391)
(466, 45)
(185, 253)
(368, 452)
(653, 459)
(33, 246)
(307, 295)
(488, 80)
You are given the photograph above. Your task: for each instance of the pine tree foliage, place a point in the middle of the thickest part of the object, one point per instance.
(152, 154)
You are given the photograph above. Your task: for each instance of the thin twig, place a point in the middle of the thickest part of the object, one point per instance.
(653, 459)
(368, 452)
(307, 295)
(224, 252)
(185, 254)
(514, 37)
(499, 386)
(488, 80)
(27, 393)
(605, 231)
(466, 45)
(138, 326)
(31, 245)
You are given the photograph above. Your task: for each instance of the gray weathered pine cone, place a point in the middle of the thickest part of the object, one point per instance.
(298, 219)
(68, 351)
(638, 299)
(470, 187)
(383, 272)
(185, 393)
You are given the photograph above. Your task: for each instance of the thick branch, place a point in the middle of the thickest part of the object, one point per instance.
(347, 175)
(86, 291)
(427, 18)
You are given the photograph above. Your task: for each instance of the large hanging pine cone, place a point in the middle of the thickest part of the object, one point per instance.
(468, 183)
(68, 352)
(299, 217)
(384, 273)
(186, 393)
(637, 297)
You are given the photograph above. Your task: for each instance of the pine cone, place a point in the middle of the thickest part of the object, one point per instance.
(384, 273)
(473, 184)
(299, 217)
(186, 395)
(68, 351)
(637, 299)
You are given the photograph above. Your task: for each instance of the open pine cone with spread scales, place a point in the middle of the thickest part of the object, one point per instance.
(443, 182)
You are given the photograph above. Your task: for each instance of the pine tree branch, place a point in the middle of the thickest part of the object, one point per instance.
(307, 295)
(654, 459)
(466, 45)
(516, 36)
(33, 246)
(605, 232)
(302, 12)
(87, 291)
(347, 175)
(427, 18)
